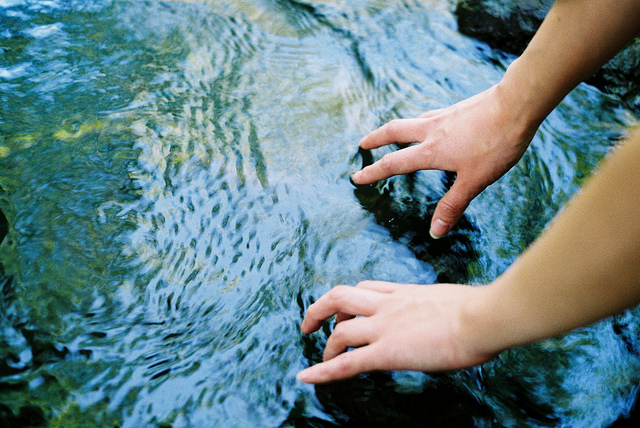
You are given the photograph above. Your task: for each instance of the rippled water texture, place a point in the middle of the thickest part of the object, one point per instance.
(174, 188)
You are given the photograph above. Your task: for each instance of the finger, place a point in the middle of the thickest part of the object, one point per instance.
(380, 286)
(343, 366)
(403, 161)
(396, 131)
(340, 299)
(430, 113)
(341, 316)
(350, 334)
(450, 208)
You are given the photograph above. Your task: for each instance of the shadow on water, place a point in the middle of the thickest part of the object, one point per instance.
(378, 399)
(393, 399)
(406, 214)
(28, 416)
(373, 400)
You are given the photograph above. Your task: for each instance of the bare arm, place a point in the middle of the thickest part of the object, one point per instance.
(575, 39)
(584, 267)
(482, 137)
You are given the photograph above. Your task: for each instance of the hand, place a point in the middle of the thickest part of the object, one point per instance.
(480, 139)
(394, 327)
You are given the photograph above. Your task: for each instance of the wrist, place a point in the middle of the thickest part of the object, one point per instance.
(526, 99)
(484, 325)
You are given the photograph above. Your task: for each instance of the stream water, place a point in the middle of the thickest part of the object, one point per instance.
(174, 192)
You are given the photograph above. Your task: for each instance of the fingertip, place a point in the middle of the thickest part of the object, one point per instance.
(439, 228)
(343, 366)
(363, 177)
(309, 326)
(451, 208)
(310, 323)
(314, 374)
(303, 327)
(363, 142)
(303, 376)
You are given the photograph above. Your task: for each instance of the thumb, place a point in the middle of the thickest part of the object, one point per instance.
(450, 208)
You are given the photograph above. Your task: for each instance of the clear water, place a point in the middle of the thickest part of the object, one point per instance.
(174, 183)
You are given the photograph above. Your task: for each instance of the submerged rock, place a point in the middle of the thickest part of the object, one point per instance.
(509, 25)
(506, 25)
(406, 214)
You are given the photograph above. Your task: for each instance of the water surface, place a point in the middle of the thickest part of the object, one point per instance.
(174, 189)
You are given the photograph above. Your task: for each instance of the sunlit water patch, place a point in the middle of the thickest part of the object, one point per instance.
(174, 193)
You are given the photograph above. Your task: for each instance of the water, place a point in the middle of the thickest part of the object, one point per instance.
(174, 189)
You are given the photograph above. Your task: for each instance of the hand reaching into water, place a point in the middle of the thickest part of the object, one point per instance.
(395, 327)
(483, 137)
(480, 139)
(583, 268)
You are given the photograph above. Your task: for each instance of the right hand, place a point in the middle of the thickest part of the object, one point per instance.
(479, 139)
(428, 328)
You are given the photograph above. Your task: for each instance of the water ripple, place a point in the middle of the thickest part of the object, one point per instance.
(174, 192)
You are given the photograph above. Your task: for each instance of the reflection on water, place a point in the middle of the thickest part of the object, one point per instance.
(174, 190)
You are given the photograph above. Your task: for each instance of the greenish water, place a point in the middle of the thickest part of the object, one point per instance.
(174, 184)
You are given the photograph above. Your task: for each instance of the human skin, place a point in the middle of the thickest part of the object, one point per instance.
(584, 267)
(482, 137)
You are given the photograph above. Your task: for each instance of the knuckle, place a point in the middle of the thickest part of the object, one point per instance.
(387, 163)
(364, 283)
(449, 209)
(338, 294)
(339, 333)
(345, 364)
(391, 128)
(427, 148)
(427, 153)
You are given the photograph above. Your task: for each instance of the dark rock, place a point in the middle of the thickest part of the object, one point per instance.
(506, 25)
(31, 416)
(28, 416)
(406, 214)
(621, 76)
(371, 401)
(509, 25)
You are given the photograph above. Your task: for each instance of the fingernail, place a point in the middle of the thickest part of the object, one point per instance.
(356, 176)
(439, 228)
(301, 376)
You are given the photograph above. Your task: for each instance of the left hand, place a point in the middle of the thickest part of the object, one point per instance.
(394, 327)
(479, 139)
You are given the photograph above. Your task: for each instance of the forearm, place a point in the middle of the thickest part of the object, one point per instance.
(584, 267)
(576, 38)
